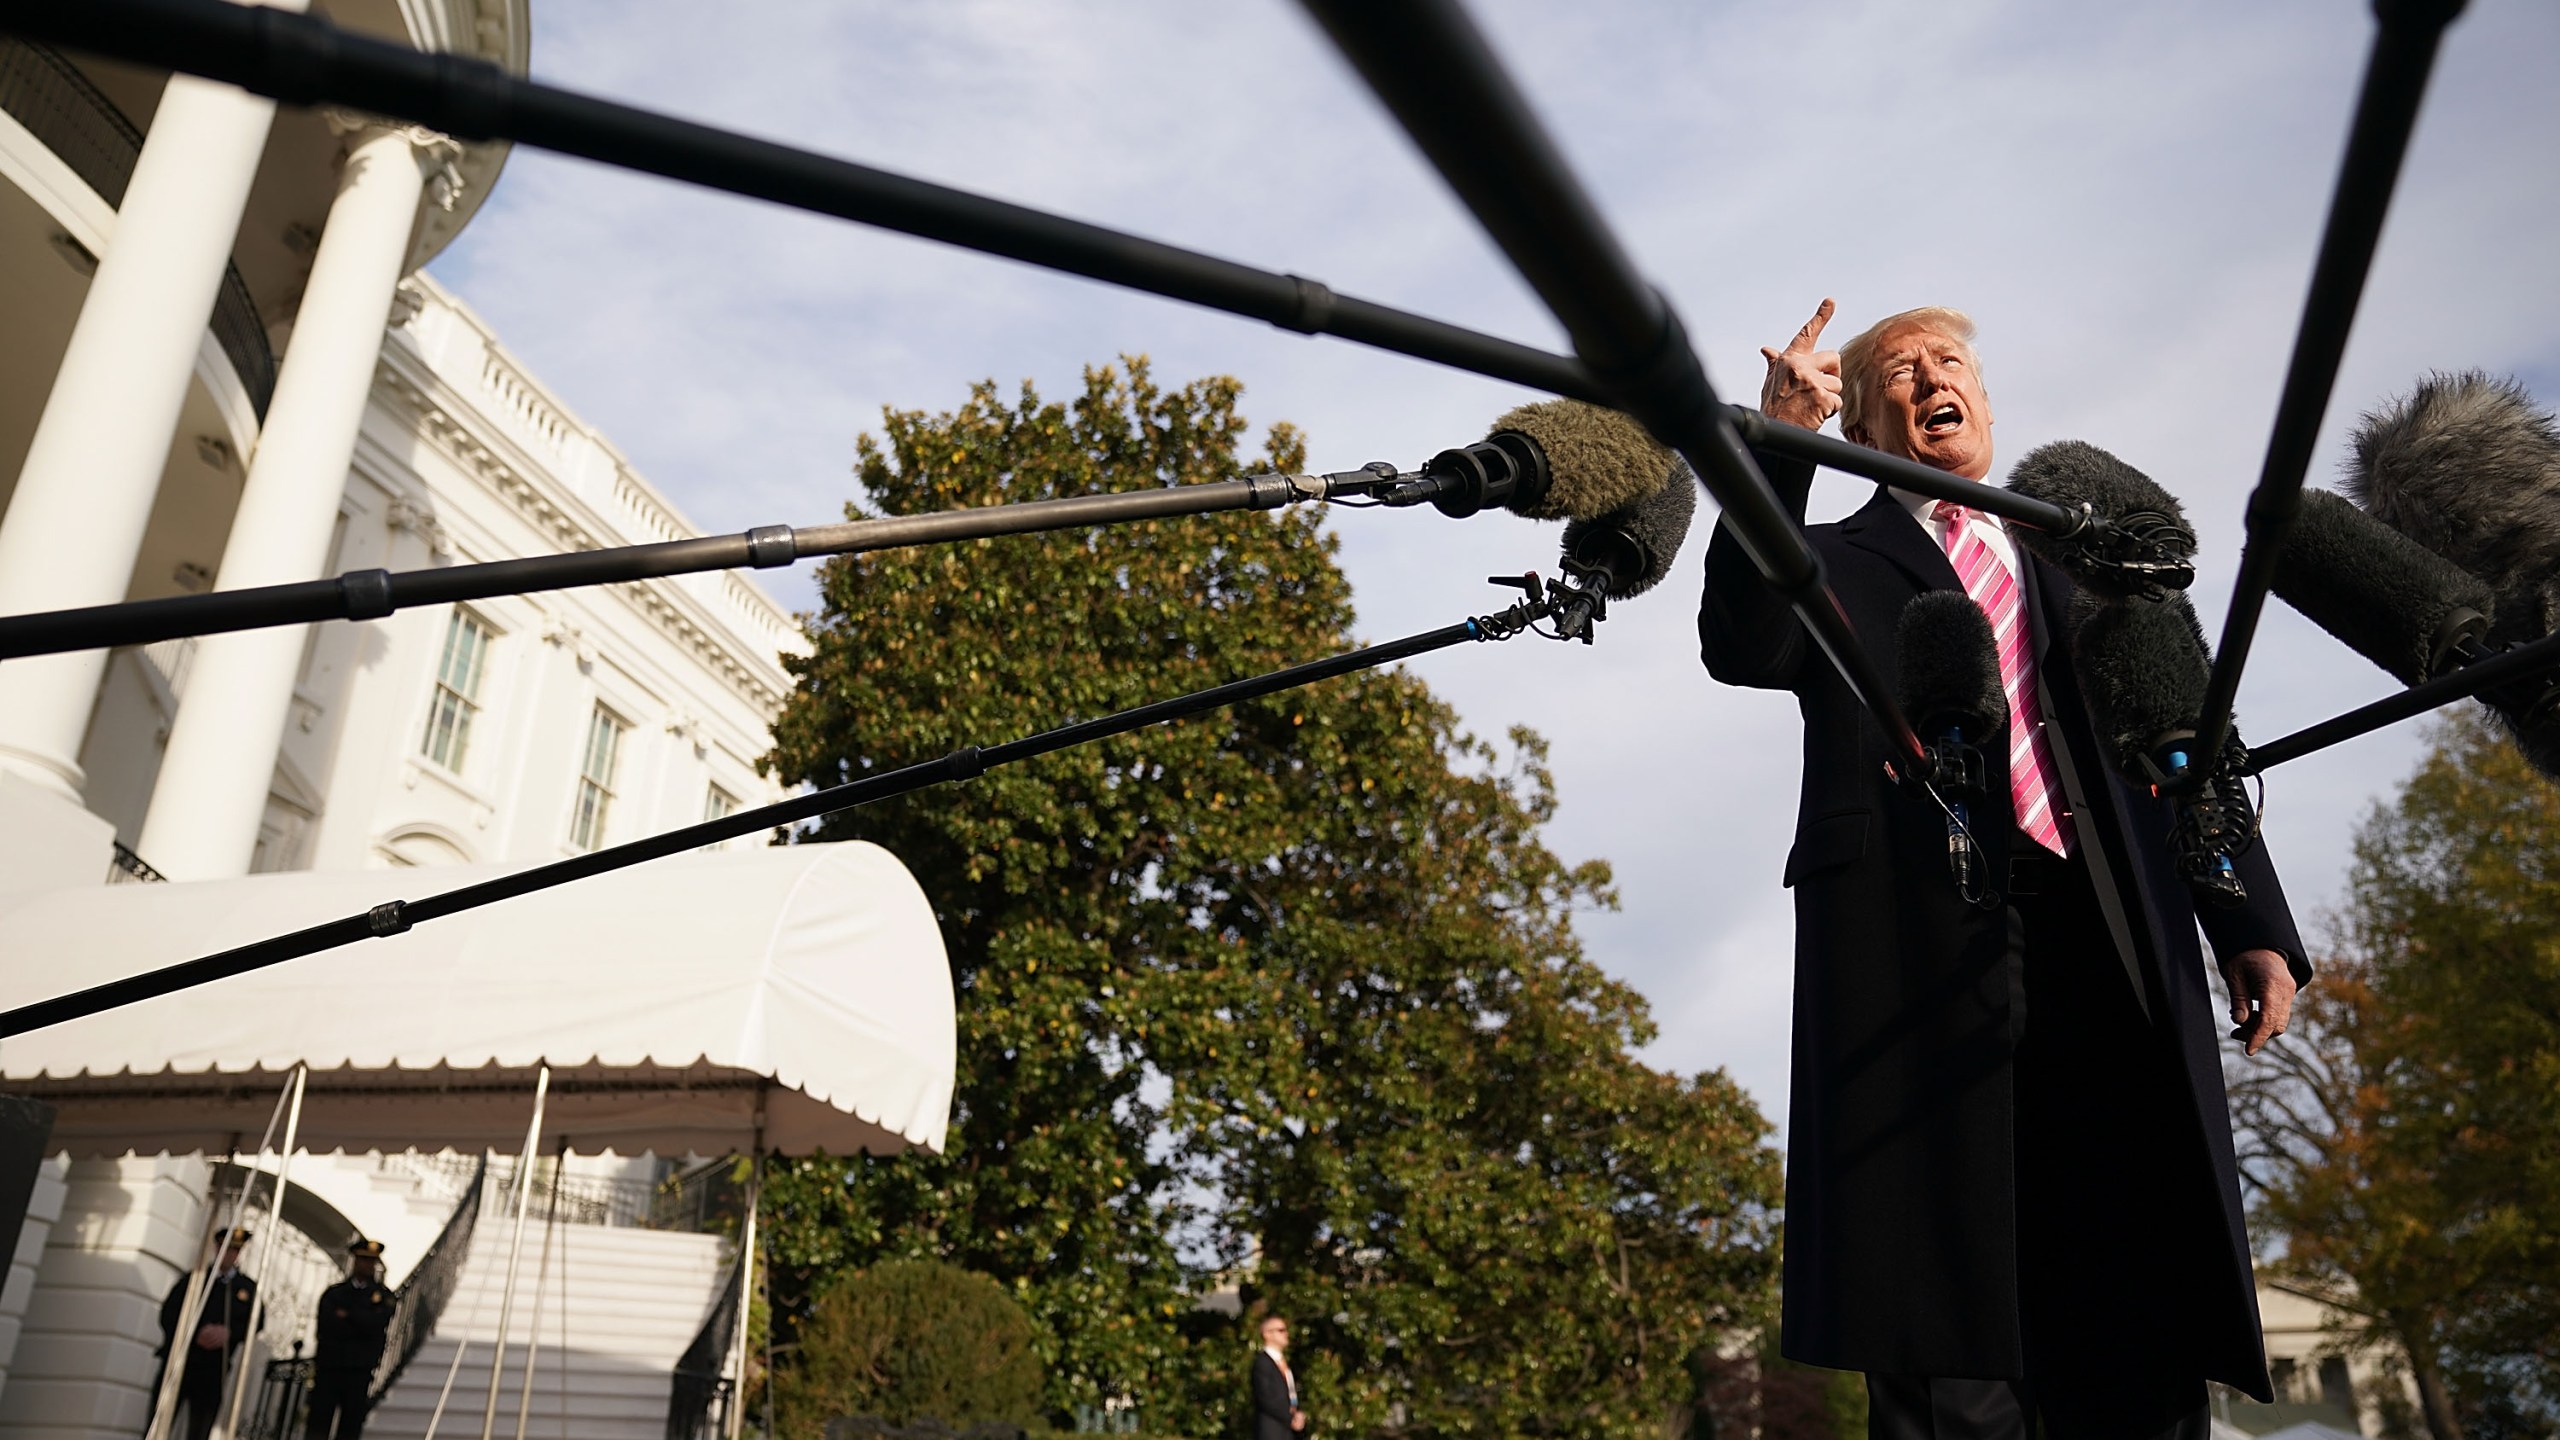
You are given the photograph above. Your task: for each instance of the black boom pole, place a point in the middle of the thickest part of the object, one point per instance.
(1432, 69)
(2395, 80)
(968, 762)
(375, 593)
(304, 60)
(372, 594)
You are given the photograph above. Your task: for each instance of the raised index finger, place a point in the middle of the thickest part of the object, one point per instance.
(1812, 332)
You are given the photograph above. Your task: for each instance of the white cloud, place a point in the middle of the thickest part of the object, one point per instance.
(2127, 201)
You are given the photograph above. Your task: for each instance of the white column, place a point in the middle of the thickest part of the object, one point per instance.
(75, 523)
(212, 791)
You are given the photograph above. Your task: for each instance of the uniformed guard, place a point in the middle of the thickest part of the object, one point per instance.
(353, 1325)
(221, 1327)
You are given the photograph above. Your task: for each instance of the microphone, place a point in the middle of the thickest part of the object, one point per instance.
(1554, 460)
(2468, 466)
(1949, 669)
(2136, 541)
(1626, 552)
(2389, 598)
(2144, 669)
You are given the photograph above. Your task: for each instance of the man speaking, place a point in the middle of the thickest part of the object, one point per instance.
(2011, 1195)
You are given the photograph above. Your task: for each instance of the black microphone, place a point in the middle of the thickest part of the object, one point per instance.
(1949, 684)
(2136, 540)
(1555, 460)
(1626, 552)
(2392, 600)
(2144, 669)
(2468, 466)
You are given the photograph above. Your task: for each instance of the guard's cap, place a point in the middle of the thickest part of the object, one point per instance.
(237, 1237)
(364, 1249)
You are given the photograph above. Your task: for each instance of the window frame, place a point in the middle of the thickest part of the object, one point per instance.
(588, 821)
(456, 722)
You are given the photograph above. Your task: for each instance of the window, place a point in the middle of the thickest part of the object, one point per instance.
(456, 701)
(715, 805)
(595, 779)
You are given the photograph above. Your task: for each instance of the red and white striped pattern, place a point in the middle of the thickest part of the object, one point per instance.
(2032, 778)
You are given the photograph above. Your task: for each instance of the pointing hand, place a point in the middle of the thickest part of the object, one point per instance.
(1803, 386)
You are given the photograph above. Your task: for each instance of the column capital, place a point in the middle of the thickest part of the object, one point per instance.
(437, 154)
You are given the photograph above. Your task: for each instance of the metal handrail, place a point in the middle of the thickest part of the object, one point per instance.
(430, 1286)
(43, 91)
(698, 1400)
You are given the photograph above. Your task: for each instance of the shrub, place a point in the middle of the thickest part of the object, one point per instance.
(910, 1340)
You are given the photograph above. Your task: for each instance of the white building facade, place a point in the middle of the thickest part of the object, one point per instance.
(225, 368)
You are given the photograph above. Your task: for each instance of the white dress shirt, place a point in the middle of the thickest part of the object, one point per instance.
(1991, 532)
(1285, 1373)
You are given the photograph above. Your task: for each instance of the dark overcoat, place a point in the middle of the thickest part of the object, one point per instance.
(1270, 1400)
(1902, 1221)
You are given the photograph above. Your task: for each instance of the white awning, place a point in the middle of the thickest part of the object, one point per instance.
(674, 1002)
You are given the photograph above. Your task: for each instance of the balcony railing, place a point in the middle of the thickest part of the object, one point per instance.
(128, 868)
(700, 1200)
(83, 128)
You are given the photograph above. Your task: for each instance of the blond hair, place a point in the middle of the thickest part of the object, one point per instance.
(1858, 357)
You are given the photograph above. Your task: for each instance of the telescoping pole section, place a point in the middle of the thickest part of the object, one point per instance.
(373, 594)
(964, 764)
(304, 60)
(2395, 80)
(1432, 69)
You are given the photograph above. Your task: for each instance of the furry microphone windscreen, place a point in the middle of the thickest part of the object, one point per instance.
(1597, 459)
(2143, 668)
(2469, 467)
(1949, 667)
(2073, 473)
(1636, 544)
(2391, 599)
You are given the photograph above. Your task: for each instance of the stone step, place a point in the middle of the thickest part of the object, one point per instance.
(634, 1301)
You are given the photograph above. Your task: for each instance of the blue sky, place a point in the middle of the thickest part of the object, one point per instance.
(2126, 199)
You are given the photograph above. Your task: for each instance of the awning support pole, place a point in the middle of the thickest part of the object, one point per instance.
(164, 1404)
(284, 1177)
(541, 1273)
(737, 1417)
(515, 1249)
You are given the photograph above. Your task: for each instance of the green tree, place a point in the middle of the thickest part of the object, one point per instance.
(2406, 1141)
(908, 1340)
(1287, 993)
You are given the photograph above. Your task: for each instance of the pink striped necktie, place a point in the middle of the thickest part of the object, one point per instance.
(2032, 777)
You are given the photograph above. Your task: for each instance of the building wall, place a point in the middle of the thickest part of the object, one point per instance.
(83, 1367)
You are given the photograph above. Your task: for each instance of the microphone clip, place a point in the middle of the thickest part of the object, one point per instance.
(1575, 603)
(2212, 821)
(1584, 601)
(2141, 554)
(1952, 774)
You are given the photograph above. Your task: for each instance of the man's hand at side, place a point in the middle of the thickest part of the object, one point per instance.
(2261, 976)
(1803, 386)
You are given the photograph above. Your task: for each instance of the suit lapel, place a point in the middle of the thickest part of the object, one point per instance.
(1882, 527)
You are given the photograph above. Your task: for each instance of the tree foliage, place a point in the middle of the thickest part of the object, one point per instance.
(911, 1340)
(2406, 1140)
(1287, 994)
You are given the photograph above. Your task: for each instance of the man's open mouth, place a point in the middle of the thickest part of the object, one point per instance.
(1943, 420)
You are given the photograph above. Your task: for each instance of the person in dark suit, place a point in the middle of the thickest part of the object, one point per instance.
(1276, 1415)
(349, 1332)
(221, 1327)
(2011, 1192)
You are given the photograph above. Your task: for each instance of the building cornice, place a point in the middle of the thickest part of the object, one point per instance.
(462, 433)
